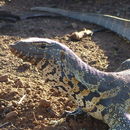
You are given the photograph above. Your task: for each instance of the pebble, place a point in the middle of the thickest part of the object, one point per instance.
(66, 38)
(18, 83)
(40, 117)
(11, 114)
(23, 68)
(14, 103)
(4, 78)
(28, 90)
(44, 103)
(2, 107)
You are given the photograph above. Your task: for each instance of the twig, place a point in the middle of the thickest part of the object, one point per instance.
(34, 116)
(22, 99)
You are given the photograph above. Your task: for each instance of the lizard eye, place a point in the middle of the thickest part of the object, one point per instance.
(43, 46)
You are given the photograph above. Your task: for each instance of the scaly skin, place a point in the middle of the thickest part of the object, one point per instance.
(105, 96)
(116, 24)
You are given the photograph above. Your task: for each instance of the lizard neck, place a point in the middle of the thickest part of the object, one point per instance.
(84, 73)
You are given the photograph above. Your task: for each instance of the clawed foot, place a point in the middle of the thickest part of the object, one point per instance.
(74, 115)
(79, 119)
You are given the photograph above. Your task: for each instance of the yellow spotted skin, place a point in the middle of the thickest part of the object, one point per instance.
(105, 96)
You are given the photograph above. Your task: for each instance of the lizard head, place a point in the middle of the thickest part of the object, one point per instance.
(47, 55)
(36, 49)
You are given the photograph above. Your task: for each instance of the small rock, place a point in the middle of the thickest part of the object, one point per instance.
(14, 103)
(13, 93)
(23, 68)
(11, 114)
(66, 38)
(38, 127)
(44, 103)
(18, 83)
(2, 107)
(28, 90)
(40, 117)
(4, 78)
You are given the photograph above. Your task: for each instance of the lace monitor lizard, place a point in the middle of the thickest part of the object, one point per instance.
(103, 95)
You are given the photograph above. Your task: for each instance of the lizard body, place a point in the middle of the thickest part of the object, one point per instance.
(118, 25)
(103, 95)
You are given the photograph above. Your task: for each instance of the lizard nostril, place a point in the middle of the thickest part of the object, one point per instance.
(11, 46)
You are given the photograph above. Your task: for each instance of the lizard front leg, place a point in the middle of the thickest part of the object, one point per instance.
(77, 114)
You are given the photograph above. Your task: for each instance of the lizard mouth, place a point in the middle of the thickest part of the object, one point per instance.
(16, 52)
(25, 57)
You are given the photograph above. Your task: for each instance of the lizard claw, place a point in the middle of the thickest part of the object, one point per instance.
(74, 115)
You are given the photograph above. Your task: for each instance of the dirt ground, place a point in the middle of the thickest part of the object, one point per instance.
(41, 107)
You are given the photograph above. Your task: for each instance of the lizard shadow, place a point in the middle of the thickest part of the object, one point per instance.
(115, 48)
